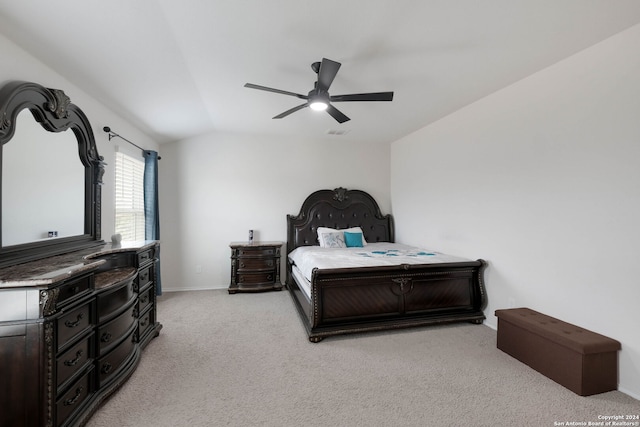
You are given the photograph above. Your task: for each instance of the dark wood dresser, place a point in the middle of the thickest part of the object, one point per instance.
(255, 267)
(72, 328)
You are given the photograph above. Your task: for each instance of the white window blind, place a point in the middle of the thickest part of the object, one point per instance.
(129, 197)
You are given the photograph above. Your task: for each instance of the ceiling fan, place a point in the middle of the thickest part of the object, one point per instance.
(319, 99)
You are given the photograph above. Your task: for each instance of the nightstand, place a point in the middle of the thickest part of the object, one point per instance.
(255, 267)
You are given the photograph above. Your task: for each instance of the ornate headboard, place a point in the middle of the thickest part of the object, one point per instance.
(339, 208)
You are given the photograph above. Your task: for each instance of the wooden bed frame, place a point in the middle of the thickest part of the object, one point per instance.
(351, 300)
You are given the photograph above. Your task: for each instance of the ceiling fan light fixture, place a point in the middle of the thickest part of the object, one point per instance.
(318, 105)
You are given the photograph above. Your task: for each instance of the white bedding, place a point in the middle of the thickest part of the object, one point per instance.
(306, 258)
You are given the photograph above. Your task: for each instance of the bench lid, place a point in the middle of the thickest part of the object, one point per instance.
(563, 333)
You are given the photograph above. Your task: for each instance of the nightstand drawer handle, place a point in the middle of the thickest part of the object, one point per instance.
(74, 361)
(106, 337)
(269, 277)
(106, 368)
(70, 324)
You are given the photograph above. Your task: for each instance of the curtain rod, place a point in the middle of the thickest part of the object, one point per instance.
(112, 134)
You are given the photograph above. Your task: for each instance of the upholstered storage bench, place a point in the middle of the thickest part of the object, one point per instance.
(583, 361)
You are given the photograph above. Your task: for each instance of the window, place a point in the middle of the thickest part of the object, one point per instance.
(129, 197)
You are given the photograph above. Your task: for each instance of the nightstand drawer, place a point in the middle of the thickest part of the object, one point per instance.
(257, 252)
(256, 278)
(255, 264)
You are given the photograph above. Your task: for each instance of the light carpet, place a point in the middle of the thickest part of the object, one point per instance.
(245, 360)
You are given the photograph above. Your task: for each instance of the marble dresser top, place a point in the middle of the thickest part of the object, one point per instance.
(46, 271)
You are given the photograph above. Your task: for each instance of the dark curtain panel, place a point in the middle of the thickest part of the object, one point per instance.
(151, 210)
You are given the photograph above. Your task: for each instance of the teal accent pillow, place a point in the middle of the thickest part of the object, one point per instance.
(353, 240)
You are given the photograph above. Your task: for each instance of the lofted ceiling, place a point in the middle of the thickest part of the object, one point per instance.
(176, 69)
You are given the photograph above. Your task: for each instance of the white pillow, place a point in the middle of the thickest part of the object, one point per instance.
(332, 240)
(323, 230)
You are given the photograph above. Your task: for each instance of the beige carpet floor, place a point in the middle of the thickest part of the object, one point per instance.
(245, 360)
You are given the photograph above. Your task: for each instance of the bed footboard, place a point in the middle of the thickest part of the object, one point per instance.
(378, 298)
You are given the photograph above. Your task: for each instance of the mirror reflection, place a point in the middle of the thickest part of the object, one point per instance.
(42, 184)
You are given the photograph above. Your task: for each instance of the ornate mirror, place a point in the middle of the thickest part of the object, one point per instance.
(50, 177)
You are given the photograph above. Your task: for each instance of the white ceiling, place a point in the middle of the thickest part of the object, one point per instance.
(177, 68)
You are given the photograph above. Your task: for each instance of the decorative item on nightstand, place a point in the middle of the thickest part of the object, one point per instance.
(255, 266)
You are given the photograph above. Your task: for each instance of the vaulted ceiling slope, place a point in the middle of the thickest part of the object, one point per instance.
(177, 68)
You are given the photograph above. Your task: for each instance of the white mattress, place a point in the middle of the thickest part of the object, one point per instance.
(303, 283)
(306, 258)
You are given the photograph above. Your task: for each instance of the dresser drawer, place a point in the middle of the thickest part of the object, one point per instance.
(255, 264)
(145, 257)
(111, 333)
(73, 324)
(144, 277)
(112, 362)
(257, 252)
(146, 320)
(145, 298)
(73, 290)
(256, 278)
(75, 396)
(111, 301)
(74, 360)
(116, 260)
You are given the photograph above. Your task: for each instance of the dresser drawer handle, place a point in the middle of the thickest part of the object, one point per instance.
(74, 361)
(269, 277)
(242, 265)
(144, 276)
(70, 324)
(75, 398)
(106, 337)
(106, 368)
(144, 322)
(144, 299)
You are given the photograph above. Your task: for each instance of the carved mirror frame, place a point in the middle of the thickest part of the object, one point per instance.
(53, 109)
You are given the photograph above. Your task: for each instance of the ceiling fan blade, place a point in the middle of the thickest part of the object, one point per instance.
(326, 74)
(292, 110)
(377, 96)
(337, 114)
(270, 89)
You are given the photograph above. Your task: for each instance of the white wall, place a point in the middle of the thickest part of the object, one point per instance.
(541, 179)
(17, 64)
(214, 188)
